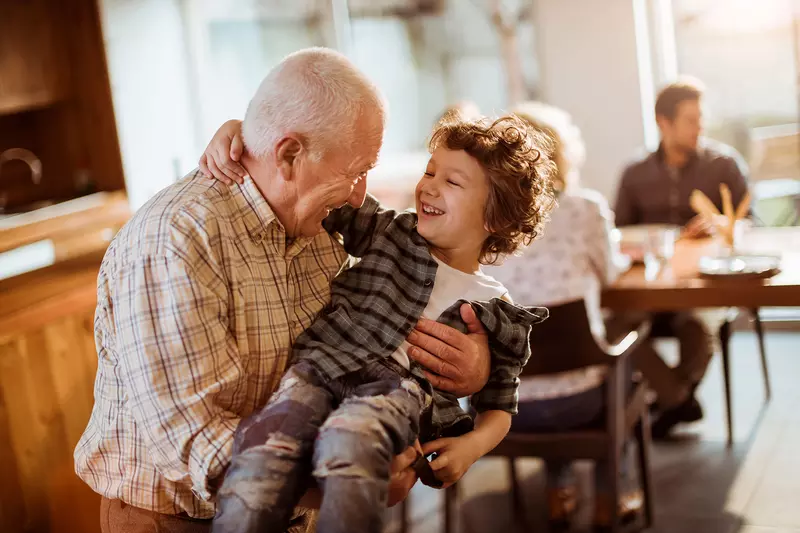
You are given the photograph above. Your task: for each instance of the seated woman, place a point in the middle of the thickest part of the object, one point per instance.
(573, 259)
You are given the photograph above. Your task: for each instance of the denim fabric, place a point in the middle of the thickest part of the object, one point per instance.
(343, 433)
(585, 409)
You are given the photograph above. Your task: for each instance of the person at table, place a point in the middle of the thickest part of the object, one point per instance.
(572, 260)
(656, 189)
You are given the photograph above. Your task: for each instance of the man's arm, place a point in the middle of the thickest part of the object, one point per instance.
(359, 226)
(625, 210)
(178, 358)
(734, 171)
(453, 361)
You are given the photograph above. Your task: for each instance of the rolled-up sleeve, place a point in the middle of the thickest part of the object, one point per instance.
(181, 365)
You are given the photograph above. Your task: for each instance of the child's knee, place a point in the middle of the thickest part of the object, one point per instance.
(350, 452)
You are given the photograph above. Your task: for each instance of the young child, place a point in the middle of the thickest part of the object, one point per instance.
(351, 399)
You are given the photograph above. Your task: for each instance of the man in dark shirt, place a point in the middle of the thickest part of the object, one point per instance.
(656, 189)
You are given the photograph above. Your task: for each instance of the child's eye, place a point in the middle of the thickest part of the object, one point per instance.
(429, 174)
(451, 182)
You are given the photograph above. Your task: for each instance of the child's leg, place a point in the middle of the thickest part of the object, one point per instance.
(354, 452)
(271, 464)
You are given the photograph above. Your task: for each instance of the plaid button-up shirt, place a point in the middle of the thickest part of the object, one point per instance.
(376, 303)
(199, 300)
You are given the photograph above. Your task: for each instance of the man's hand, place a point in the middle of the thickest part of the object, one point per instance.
(697, 228)
(403, 476)
(455, 362)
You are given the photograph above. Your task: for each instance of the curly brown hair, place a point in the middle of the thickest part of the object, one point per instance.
(516, 159)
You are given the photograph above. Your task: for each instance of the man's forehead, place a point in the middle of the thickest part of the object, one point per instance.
(353, 163)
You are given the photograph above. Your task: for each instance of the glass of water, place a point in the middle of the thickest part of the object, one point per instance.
(659, 247)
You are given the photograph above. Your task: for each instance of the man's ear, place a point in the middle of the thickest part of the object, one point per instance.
(662, 122)
(286, 152)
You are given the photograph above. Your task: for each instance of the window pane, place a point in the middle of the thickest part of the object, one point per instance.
(744, 52)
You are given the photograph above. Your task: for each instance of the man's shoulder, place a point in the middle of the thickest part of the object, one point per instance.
(716, 152)
(641, 164)
(192, 210)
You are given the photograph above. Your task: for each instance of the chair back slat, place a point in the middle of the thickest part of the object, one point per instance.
(563, 342)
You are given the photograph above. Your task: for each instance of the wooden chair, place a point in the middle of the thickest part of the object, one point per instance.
(565, 342)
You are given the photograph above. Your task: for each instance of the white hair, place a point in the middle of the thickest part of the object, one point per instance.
(316, 93)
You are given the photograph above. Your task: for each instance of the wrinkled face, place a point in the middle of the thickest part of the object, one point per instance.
(337, 178)
(684, 130)
(451, 200)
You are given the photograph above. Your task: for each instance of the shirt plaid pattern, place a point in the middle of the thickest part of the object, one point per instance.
(375, 304)
(199, 300)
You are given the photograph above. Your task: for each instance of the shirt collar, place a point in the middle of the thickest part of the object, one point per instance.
(658, 155)
(256, 213)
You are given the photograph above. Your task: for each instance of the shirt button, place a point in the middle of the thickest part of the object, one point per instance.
(428, 282)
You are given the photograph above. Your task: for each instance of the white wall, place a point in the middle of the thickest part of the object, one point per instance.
(150, 87)
(587, 52)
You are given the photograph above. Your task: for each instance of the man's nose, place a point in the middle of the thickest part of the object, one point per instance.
(359, 193)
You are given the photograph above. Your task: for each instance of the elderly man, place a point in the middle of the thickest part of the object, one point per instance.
(202, 293)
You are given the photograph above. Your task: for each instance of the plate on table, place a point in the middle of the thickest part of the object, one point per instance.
(739, 267)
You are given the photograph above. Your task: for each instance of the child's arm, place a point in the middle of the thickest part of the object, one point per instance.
(456, 455)
(359, 226)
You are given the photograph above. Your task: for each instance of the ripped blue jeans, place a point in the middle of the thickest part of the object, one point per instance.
(343, 433)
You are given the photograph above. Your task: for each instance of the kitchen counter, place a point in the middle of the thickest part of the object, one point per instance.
(48, 360)
(64, 220)
(35, 298)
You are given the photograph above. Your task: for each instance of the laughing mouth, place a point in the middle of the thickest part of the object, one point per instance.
(430, 210)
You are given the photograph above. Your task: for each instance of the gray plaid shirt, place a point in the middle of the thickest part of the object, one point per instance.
(376, 303)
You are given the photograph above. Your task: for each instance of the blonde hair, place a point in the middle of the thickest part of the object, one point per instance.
(316, 93)
(569, 152)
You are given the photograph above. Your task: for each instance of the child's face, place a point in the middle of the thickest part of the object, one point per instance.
(450, 199)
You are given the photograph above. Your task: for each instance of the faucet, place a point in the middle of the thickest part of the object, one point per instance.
(26, 156)
(23, 155)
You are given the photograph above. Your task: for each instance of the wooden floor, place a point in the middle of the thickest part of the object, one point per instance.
(701, 486)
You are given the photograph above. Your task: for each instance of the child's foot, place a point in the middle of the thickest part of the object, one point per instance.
(629, 506)
(562, 503)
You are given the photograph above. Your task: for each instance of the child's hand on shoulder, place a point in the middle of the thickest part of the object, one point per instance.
(453, 459)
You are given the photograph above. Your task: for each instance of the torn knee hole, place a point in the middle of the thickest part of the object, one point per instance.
(338, 467)
(284, 445)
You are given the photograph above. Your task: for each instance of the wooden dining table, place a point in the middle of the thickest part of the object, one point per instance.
(679, 286)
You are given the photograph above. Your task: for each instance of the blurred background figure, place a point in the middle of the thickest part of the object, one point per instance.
(576, 256)
(656, 190)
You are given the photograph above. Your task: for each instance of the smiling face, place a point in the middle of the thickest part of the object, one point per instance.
(451, 200)
(316, 184)
(340, 177)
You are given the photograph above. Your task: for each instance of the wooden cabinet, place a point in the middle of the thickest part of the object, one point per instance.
(32, 58)
(46, 378)
(55, 101)
(48, 364)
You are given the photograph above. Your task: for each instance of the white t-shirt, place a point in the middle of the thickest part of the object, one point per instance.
(450, 286)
